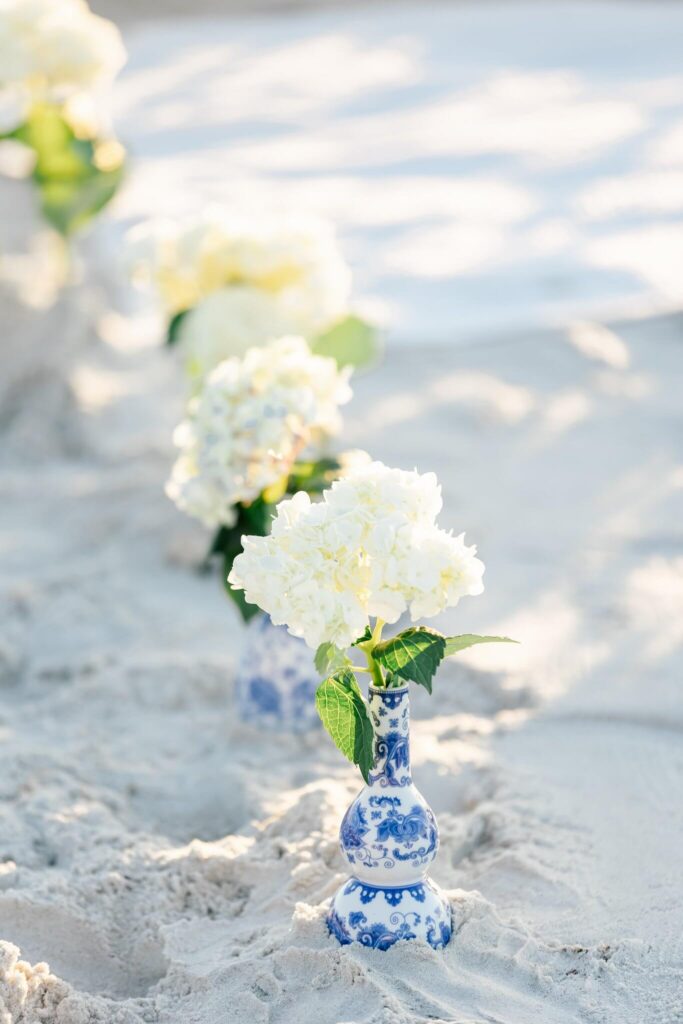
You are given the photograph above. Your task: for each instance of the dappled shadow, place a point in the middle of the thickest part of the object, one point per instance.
(558, 457)
(476, 183)
(475, 190)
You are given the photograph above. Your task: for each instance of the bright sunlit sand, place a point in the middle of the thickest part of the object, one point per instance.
(507, 185)
(488, 166)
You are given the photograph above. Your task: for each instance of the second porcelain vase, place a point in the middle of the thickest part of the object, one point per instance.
(276, 680)
(389, 837)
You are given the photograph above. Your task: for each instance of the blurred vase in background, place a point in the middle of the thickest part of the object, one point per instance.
(276, 680)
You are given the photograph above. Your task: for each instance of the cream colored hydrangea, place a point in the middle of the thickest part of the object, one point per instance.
(51, 49)
(352, 460)
(370, 549)
(244, 280)
(250, 422)
(227, 323)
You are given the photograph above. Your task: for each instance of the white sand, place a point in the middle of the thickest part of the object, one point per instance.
(172, 868)
(490, 166)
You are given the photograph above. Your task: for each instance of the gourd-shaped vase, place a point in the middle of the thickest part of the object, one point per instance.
(276, 680)
(389, 838)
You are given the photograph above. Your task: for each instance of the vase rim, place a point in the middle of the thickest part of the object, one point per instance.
(388, 689)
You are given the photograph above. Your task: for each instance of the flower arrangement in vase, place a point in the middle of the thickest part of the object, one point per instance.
(336, 572)
(227, 283)
(257, 430)
(54, 56)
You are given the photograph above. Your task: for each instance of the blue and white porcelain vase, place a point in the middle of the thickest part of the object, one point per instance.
(389, 837)
(276, 680)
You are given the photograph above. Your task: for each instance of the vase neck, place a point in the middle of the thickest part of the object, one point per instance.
(390, 713)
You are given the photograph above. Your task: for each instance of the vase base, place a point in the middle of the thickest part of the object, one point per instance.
(378, 916)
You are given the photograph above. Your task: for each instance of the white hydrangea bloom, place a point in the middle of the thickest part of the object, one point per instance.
(245, 280)
(352, 460)
(50, 49)
(250, 422)
(370, 548)
(227, 323)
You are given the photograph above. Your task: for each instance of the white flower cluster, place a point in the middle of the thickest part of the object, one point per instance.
(250, 422)
(49, 50)
(243, 281)
(370, 548)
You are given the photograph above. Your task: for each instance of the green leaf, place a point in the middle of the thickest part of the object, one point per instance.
(367, 635)
(351, 341)
(459, 643)
(220, 541)
(344, 714)
(69, 205)
(271, 495)
(329, 658)
(256, 518)
(173, 332)
(227, 542)
(58, 153)
(310, 476)
(217, 546)
(313, 477)
(414, 654)
(72, 187)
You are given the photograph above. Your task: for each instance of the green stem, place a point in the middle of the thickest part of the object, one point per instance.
(375, 670)
(373, 666)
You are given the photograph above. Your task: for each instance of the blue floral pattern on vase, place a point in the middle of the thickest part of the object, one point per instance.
(354, 827)
(394, 754)
(276, 680)
(392, 894)
(380, 925)
(389, 837)
(418, 823)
